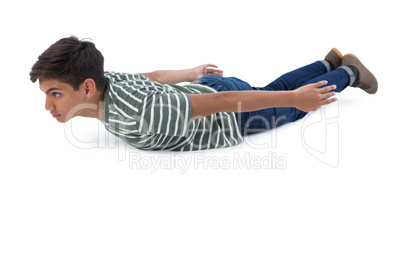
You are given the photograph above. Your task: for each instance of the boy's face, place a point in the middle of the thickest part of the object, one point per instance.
(61, 98)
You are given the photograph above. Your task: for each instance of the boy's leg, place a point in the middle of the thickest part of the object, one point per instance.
(299, 77)
(288, 81)
(267, 119)
(302, 76)
(296, 78)
(351, 73)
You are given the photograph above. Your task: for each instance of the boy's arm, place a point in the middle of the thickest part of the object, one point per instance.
(307, 98)
(187, 75)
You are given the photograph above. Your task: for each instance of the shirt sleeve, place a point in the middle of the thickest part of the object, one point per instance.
(165, 113)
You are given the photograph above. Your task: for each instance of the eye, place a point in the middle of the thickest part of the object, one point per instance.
(56, 94)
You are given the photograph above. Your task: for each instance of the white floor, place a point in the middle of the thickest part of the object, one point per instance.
(321, 192)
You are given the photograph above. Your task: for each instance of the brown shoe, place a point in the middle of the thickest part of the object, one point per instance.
(366, 80)
(334, 57)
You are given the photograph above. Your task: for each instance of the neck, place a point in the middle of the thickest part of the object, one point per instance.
(95, 108)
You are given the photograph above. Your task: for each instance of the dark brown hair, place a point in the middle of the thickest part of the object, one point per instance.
(70, 61)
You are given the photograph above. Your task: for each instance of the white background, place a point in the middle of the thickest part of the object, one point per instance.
(336, 202)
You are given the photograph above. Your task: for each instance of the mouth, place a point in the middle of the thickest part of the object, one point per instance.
(56, 115)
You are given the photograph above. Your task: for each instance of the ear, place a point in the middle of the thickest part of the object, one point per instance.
(89, 87)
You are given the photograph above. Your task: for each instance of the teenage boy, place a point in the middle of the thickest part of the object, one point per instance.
(149, 111)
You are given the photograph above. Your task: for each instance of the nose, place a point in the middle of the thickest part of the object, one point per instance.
(49, 105)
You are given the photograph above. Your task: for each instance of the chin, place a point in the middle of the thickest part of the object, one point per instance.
(61, 120)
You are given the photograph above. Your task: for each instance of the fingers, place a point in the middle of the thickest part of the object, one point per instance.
(212, 70)
(327, 95)
(211, 65)
(322, 103)
(322, 89)
(321, 83)
(327, 88)
(328, 100)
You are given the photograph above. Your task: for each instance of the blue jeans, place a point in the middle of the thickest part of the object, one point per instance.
(261, 120)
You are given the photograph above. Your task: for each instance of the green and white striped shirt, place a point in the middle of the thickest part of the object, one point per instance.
(153, 116)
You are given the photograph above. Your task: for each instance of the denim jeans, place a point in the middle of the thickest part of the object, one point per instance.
(266, 119)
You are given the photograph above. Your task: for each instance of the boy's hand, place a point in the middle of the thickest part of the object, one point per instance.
(311, 97)
(205, 69)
